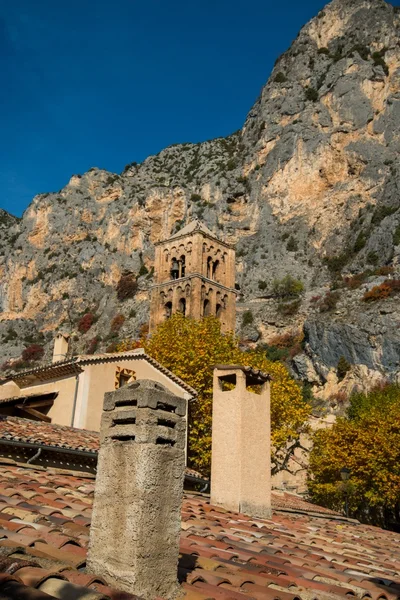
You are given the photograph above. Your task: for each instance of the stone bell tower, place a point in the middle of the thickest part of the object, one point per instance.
(194, 275)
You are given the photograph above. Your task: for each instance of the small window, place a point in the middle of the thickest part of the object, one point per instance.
(123, 377)
(123, 380)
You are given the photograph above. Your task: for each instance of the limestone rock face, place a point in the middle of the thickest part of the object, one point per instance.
(311, 181)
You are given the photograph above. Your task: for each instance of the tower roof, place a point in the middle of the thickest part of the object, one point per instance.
(191, 227)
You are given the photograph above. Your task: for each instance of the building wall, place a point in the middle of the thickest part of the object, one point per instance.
(9, 389)
(61, 411)
(100, 378)
(94, 381)
(205, 287)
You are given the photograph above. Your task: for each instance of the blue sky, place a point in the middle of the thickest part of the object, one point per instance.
(105, 83)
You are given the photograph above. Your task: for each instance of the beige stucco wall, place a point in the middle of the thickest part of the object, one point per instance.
(100, 378)
(61, 411)
(94, 381)
(241, 447)
(9, 389)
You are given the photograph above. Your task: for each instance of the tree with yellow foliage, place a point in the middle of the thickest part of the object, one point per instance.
(366, 441)
(190, 349)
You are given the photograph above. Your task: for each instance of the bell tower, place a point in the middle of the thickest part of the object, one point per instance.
(194, 275)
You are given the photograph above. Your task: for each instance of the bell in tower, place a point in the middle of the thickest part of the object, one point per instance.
(174, 269)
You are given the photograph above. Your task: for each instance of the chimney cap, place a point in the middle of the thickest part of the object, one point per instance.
(256, 376)
(145, 393)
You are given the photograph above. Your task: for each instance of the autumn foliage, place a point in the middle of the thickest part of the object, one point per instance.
(117, 323)
(367, 442)
(127, 287)
(32, 353)
(190, 349)
(85, 322)
(384, 290)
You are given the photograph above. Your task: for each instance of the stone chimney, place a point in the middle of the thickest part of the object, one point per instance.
(61, 345)
(136, 521)
(241, 441)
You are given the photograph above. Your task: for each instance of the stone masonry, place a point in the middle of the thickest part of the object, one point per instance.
(194, 275)
(241, 441)
(134, 537)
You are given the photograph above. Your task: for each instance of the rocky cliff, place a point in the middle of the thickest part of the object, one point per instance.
(308, 187)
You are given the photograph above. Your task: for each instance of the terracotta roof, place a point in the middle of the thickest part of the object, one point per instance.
(44, 530)
(52, 436)
(17, 429)
(74, 364)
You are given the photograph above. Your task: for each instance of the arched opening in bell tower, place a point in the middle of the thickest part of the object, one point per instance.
(182, 306)
(215, 270)
(182, 266)
(174, 269)
(168, 310)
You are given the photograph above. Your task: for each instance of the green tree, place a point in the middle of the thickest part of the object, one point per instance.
(288, 287)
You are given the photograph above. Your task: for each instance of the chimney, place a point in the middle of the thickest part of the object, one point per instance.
(136, 521)
(241, 444)
(61, 344)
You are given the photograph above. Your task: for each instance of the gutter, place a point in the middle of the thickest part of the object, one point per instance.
(77, 373)
(36, 446)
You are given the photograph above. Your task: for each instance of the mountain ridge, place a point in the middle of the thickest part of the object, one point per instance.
(308, 187)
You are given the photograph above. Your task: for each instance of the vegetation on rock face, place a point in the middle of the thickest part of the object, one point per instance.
(85, 322)
(247, 318)
(127, 287)
(329, 301)
(384, 290)
(93, 344)
(190, 349)
(343, 368)
(367, 442)
(117, 323)
(32, 353)
(288, 287)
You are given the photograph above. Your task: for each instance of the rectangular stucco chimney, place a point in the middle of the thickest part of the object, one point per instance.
(136, 520)
(61, 345)
(241, 441)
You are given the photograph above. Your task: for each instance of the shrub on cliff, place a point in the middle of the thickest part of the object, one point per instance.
(311, 94)
(117, 323)
(288, 287)
(93, 344)
(247, 318)
(343, 367)
(329, 301)
(289, 308)
(85, 322)
(127, 287)
(384, 290)
(32, 353)
(280, 77)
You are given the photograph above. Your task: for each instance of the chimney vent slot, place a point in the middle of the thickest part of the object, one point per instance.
(164, 442)
(123, 438)
(124, 421)
(130, 402)
(165, 407)
(166, 423)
